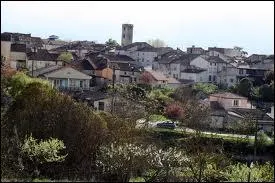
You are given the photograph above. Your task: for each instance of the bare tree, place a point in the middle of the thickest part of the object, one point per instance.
(156, 43)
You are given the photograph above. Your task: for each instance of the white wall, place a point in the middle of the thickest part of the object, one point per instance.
(41, 64)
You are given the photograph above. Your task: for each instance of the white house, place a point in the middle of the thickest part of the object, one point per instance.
(194, 73)
(65, 77)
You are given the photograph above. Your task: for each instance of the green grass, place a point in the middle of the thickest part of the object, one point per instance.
(156, 117)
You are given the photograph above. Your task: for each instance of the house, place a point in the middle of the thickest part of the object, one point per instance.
(231, 52)
(18, 56)
(102, 65)
(171, 63)
(41, 58)
(27, 39)
(80, 48)
(49, 44)
(195, 50)
(230, 100)
(141, 52)
(213, 64)
(255, 58)
(156, 78)
(64, 78)
(173, 83)
(265, 122)
(194, 73)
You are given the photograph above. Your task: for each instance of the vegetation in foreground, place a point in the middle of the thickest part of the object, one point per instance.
(46, 135)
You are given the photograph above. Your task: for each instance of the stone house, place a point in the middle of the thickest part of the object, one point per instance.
(41, 59)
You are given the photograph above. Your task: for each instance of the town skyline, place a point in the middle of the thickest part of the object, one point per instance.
(233, 26)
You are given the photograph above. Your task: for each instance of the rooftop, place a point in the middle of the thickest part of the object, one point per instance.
(227, 95)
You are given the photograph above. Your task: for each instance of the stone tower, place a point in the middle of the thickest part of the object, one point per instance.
(127, 34)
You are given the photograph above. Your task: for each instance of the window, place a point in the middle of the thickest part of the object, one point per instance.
(240, 71)
(125, 73)
(123, 35)
(142, 59)
(133, 73)
(214, 78)
(231, 80)
(209, 78)
(210, 63)
(81, 84)
(124, 28)
(135, 79)
(215, 64)
(101, 106)
(236, 103)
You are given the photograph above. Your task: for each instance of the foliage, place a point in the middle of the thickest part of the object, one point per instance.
(156, 43)
(266, 92)
(46, 113)
(65, 56)
(111, 43)
(19, 82)
(43, 151)
(128, 160)
(244, 88)
(156, 117)
(263, 139)
(269, 77)
(207, 88)
(146, 78)
(259, 173)
(173, 111)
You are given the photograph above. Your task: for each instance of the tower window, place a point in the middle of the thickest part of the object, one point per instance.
(124, 28)
(123, 35)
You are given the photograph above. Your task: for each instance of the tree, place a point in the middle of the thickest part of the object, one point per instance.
(269, 77)
(42, 152)
(44, 112)
(111, 43)
(206, 88)
(173, 111)
(156, 43)
(65, 56)
(266, 92)
(146, 78)
(245, 87)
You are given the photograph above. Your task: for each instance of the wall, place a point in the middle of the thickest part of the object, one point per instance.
(228, 102)
(6, 49)
(41, 64)
(107, 104)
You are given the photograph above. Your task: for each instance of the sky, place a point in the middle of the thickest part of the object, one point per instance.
(181, 24)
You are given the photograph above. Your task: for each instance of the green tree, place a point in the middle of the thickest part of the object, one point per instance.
(45, 113)
(245, 87)
(266, 92)
(206, 88)
(66, 57)
(111, 43)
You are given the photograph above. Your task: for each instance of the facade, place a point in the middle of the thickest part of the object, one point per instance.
(156, 79)
(195, 50)
(41, 59)
(230, 100)
(64, 78)
(127, 34)
(194, 73)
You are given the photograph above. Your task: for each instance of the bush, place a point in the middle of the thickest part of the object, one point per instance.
(259, 173)
(205, 87)
(45, 113)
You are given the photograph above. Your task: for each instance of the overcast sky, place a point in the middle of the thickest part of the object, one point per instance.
(180, 24)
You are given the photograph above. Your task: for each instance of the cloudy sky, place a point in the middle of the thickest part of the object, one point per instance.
(180, 24)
